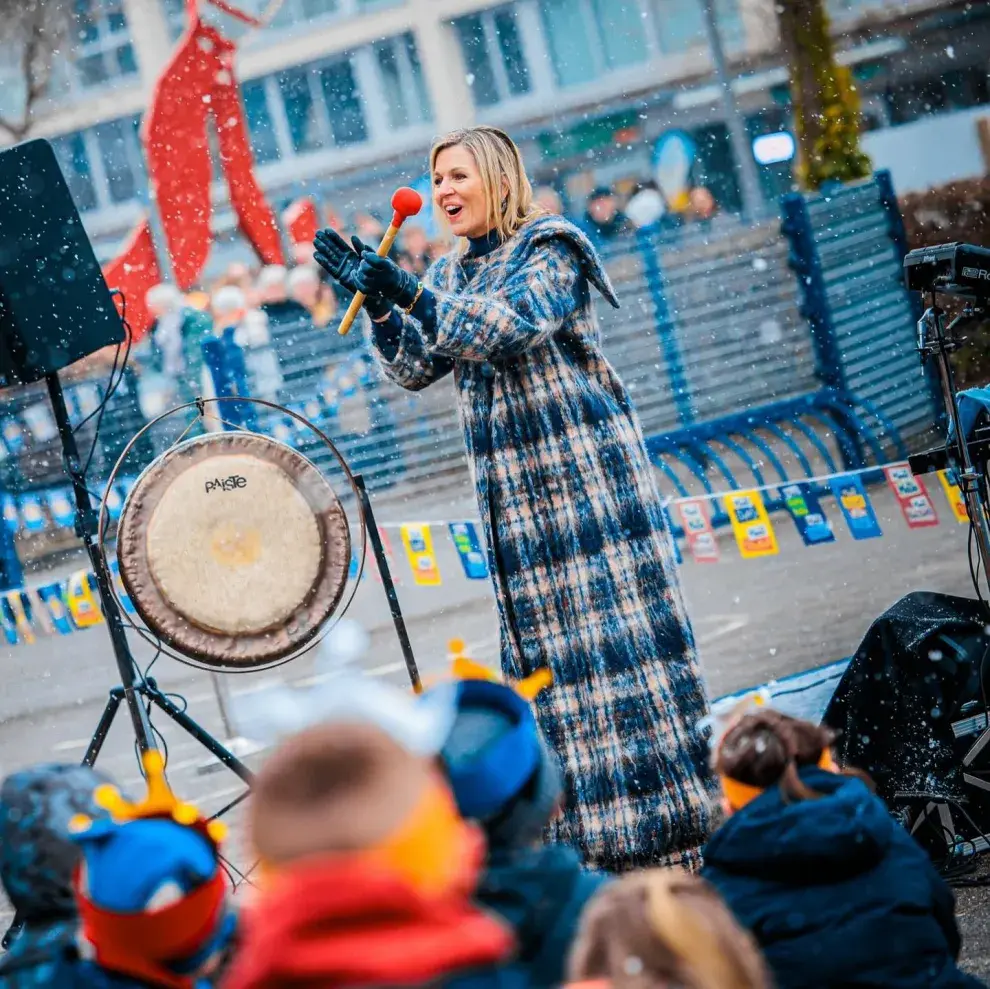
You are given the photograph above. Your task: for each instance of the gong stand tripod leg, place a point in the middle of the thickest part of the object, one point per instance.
(86, 529)
(198, 732)
(103, 728)
(386, 574)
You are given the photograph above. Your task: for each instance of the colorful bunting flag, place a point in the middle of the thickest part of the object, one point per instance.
(698, 530)
(751, 524)
(14, 603)
(855, 504)
(955, 496)
(11, 517)
(418, 542)
(389, 558)
(802, 503)
(82, 601)
(52, 597)
(912, 496)
(468, 546)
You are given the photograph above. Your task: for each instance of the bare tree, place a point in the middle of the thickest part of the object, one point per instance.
(31, 32)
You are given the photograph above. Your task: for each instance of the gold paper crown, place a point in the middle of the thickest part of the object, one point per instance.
(159, 802)
(465, 668)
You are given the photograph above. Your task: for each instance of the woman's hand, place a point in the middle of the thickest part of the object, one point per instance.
(342, 262)
(384, 277)
(337, 258)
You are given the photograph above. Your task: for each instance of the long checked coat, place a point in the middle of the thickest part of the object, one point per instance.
(581, 554)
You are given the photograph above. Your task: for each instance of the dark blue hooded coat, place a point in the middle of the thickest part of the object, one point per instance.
(836, 892)
(36, 863)
(541, 893)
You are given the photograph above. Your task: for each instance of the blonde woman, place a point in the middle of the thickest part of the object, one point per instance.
(581, 557)
(663, 929)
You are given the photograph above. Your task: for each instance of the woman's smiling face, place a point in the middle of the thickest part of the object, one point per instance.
(459, 192)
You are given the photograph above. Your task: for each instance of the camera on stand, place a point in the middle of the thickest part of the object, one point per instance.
(963, 272)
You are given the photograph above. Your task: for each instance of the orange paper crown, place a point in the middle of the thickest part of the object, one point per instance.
(465, 668)
(159, 802)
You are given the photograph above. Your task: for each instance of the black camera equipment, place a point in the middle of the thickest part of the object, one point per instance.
(961, 271)
(956, 269)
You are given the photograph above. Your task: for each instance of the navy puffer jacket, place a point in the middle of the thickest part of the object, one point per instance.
(836, 892)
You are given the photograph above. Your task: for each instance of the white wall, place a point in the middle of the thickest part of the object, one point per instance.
(931, 151)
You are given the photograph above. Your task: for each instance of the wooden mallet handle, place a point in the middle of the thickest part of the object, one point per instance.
(405, 202)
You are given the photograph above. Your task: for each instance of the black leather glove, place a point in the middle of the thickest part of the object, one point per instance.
(384, 277)
(341, 261)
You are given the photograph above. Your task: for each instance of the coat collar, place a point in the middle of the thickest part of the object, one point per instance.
(516, 252)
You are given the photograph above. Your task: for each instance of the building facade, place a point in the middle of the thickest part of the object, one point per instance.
(343, 97)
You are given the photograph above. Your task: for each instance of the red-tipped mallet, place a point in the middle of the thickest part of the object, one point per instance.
(406, 202)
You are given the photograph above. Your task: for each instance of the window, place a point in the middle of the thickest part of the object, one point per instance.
(493, 55)
(567, 38)
(102, 50)
(341, 94)
(681, 26)
(589, 37)
(119, 148)
(70, 151)
(301, 109)
(620, 27)
(103, 166)
(957, 89)
(406, 99)
(322, 105)
(264, 143)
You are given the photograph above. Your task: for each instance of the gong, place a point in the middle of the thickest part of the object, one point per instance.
(234, 549)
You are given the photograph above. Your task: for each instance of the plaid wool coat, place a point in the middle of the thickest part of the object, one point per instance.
(582, 559)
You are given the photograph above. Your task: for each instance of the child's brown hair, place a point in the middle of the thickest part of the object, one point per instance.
(662, 927)
(767, 748)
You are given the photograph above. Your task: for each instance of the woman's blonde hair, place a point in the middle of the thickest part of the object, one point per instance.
(662, 927)
(501, 168)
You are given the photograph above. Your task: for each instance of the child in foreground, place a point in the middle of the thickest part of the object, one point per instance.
(835, 891)
(153, 898)
(367, 871)
(503, 777)
(37, 860)
(663, 928)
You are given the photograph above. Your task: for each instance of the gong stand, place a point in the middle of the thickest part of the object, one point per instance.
(134, 690)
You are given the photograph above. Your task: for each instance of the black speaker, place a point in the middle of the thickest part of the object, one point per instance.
(55, 307)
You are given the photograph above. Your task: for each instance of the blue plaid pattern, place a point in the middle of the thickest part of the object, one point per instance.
(582, 559)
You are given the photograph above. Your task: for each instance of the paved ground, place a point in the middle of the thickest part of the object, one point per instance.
(755, 620)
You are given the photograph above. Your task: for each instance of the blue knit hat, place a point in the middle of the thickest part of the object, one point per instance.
(499, 769)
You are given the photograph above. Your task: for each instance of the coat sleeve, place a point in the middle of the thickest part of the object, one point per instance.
(406, 358)
(526, 311)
